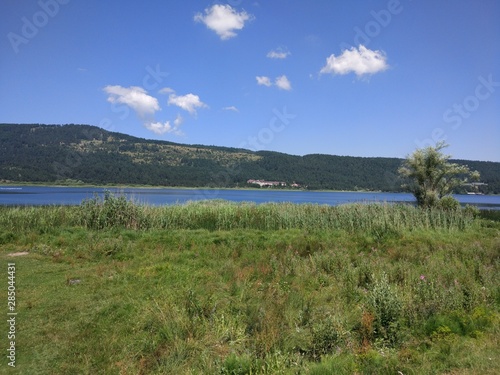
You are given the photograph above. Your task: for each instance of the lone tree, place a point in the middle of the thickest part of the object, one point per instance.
(430, 176)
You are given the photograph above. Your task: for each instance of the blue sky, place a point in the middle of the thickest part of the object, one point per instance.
(359, 78)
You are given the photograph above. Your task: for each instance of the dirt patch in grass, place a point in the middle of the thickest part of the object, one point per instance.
(18, 254)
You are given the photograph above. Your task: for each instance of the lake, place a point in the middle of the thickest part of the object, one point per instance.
(52, 195)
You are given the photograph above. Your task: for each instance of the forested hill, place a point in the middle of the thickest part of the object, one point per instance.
(88, 154)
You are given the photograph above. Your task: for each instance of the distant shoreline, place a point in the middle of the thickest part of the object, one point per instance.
(112, 186)
(132, 186)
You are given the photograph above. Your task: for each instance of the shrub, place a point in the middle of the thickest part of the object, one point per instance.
(386, 307)
(460, 323)
(109, 212)
(325, 338)
(472, 210)
(448, 203)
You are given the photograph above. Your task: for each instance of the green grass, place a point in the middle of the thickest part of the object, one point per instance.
(220, 288)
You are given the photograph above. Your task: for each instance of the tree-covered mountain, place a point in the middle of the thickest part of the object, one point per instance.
(55, 153)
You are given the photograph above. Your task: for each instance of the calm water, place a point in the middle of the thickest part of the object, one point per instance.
(42, 195)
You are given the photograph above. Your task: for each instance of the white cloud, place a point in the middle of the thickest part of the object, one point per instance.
(223, 19)
(159, 128)
(359, 61)
(278, 54)
(189, 102)
(263, 80)
(231, 108)
(166, 90)
(283, 83)
(146, 106)
(135, 97)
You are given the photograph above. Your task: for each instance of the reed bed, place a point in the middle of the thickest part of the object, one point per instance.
(118, 212)
(276, 216)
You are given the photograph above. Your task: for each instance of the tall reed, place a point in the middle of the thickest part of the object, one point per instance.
(118, 212)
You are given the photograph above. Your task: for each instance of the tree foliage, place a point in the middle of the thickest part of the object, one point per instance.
(430, 176)
(60, 154)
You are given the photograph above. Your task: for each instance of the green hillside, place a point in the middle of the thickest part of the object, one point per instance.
(88, 154)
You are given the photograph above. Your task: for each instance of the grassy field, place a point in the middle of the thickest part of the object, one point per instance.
(110, 287)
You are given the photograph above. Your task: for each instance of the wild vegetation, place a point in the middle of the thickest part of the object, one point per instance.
(116, 212)
(219, 288)
(432, 178)
(77, 154)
